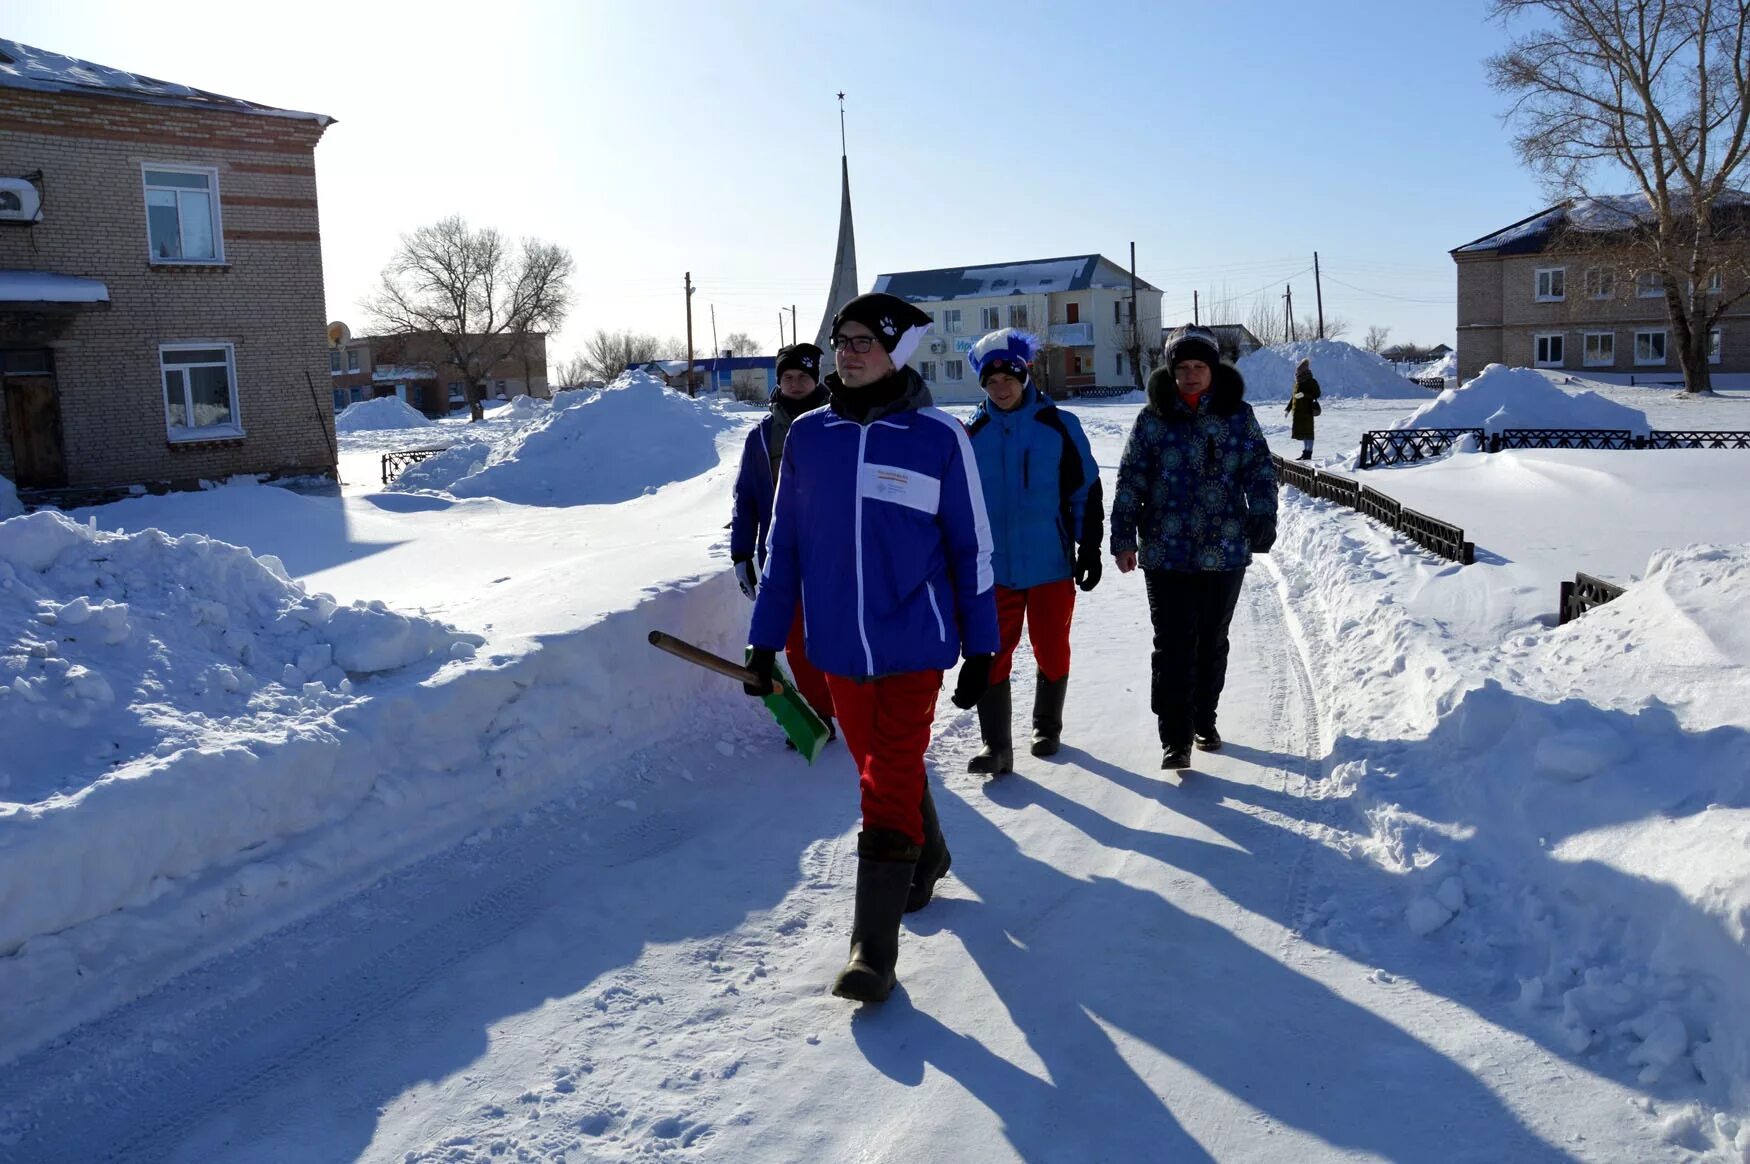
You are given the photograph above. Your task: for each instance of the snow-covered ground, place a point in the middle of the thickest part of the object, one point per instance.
(1463, 885)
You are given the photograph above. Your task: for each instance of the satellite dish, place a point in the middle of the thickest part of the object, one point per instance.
(338, 333)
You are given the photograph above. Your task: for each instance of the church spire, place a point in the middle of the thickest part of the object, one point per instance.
(844, 267)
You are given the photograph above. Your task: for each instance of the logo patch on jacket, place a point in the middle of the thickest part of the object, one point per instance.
(906, 487)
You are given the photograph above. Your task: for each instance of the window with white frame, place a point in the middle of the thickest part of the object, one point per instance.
(1549, 350)
(1118, 363)
(927, 369)
(334, 361)
(1600, 282)
(200, 390)
(1649, 285)
(182, 214)
(988, 318)
(1118, 311)
(953, 370)
(1715, 284)
(1715, 346)
(951, 320)
(1552, 284)
(352, 361)
(1650, 347)
(1017, 315)
(1598, 349)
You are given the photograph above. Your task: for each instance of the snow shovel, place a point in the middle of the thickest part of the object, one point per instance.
(800, 724)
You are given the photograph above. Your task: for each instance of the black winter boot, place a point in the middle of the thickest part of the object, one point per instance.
(995, 725)
(885, 862)
(933, 862)
(1048, 714)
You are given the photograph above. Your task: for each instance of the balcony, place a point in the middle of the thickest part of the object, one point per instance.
(1072, 335)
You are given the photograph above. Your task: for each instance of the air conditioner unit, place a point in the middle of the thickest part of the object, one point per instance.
(937, 345)
(19, 201)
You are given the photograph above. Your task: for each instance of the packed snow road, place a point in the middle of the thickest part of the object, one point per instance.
(1113, 971)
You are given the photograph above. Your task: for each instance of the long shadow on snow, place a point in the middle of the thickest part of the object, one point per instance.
(302, 1040)
(1090, 968)
(1480, 764)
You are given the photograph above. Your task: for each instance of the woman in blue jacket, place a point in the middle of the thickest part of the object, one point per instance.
(1042, 492)
(1197, 486)
(799, 390)
(879, 537)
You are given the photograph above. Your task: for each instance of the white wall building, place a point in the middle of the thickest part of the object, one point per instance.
(1078, 306)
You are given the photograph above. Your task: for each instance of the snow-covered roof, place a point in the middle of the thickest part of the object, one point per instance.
(1035, 277)
(47, 287)
(23, 66)
(1602, 213)
(403, 372)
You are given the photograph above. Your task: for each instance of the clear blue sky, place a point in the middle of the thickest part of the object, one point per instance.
(657, 137)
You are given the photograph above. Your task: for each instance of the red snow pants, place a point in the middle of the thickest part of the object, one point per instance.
(809, 679)
(886, 724)
(1047, 609)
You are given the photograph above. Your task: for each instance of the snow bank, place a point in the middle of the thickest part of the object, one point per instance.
(1341, 370)
(1502, 398)
(1446, 366)
(158, 699)
(384, 412)
(10, 506)
(1564, 812)
(625, 440)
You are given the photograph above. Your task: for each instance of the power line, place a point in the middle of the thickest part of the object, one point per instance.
(1399, 298)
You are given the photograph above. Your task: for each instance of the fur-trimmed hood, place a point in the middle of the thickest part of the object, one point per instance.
(1226, 392)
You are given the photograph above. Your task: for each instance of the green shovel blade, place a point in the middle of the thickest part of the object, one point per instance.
(804, 728)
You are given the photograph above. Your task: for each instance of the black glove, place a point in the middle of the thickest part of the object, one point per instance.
(1088, 567)
(1261, 532)
(760, 663)
(746, 577)
(973, 682)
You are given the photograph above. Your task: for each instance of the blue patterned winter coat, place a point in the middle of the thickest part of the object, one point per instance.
(1188, 480)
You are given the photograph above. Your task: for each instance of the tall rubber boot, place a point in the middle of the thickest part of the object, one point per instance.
(885, 862)
(1048, 714)
(995, 716)
(933, 862)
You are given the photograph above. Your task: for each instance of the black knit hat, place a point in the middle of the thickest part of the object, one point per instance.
(1193, 343)
(800, 358)
(897, 324)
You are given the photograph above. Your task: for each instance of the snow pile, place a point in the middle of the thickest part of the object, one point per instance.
(139, 670)
(10, 506)
(1341, 370)
(1446, 366)
(380, 414)
(1566, 812)
(623, 441)
(1502, 398)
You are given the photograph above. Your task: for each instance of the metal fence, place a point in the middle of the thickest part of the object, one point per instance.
(393, 463)
(1437, 537)
(1405, 446)
(1584, 593)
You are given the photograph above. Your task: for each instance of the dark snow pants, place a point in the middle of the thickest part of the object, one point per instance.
(1191, 610)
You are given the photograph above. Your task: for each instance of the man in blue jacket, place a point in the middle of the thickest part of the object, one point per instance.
(799, 390)
(1042, 491)
(879, 535)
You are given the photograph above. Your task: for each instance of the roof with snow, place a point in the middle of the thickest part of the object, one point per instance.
(1034, 277)
(47, 287)
(23, 66)
(1601, 214)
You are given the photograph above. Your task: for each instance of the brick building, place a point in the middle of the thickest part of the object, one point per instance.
(161, 300)
(416, 369)
(1552, 291)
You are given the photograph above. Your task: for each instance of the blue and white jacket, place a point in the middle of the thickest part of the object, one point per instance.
(879, 531)
(1041, 487)
(754, 485)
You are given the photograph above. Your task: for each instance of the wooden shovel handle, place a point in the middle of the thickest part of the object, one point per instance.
(698, 656)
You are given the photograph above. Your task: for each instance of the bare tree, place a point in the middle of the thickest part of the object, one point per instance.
(1376, 337)
(569, 373)
(739, 343)
(608, 353)
(1660, 88)
(470, 296)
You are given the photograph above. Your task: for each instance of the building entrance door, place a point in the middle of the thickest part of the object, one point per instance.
(33, 417)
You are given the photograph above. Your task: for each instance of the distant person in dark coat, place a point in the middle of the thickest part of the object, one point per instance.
(1197, 489)
(1304, 404)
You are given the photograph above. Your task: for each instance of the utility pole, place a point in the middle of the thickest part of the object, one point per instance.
(1319, 294)
(1288, 311)
(1194, 307)
(793, 338)
(690, 389)
(716, 355)
(1135, 327)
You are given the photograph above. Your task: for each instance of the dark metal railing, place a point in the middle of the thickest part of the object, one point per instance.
(394, 463)
(1584, 593)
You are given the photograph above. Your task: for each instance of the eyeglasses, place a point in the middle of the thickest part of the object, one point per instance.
(857, 343)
